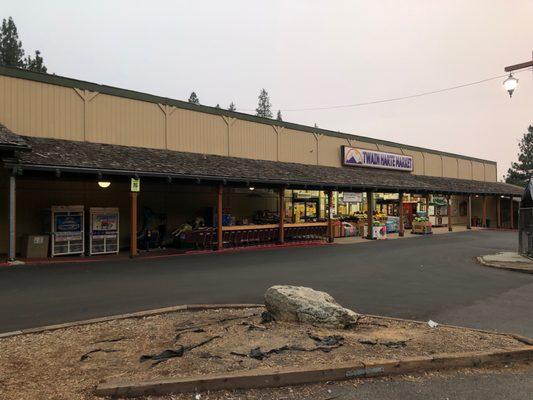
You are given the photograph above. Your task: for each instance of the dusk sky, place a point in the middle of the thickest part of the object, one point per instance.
(309, 54)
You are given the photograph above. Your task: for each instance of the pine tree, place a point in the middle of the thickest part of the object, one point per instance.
(11, 51)
(232, 107)
(35, 64)
(279, 118)
(193, 98)
(520, 171)
(264, 108)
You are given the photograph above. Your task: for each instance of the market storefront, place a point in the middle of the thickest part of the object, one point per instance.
(93, 169)
(86, 205)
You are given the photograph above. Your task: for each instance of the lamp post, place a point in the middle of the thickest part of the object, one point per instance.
(511, 82)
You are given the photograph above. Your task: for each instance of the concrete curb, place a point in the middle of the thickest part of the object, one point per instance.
(139, 314)
(297, 376)
(497, 266)
(86, 259)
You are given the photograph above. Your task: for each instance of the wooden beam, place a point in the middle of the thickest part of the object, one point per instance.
(515, 67)
(220, 239)
(330, 221)
(449, 211)
(133, 224)
(12, 251)
(370, 214)
(484, 212)
(281, 236)
(401, 228)
(427, 205)
(469, 212)
(498, 212)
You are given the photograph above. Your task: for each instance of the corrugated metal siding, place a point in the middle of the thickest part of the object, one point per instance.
(128, 122)
(465, 169)
(46, 110)
(39, 109)
(297, 147)
(364, 145)
(478, 171)
(418, 161)
(389, 149)
(196, 132)
(491, 173)
(432, 164)
(252, 140)
(450, 167)
(329, 152)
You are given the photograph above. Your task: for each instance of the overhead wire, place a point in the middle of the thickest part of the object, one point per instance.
(393, 99)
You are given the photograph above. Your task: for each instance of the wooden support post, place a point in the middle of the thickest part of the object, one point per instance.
(469, 212)
(281, 236)
(331, 234)
(220, 238)
(12, 251)
(449, 211)
(498, 212)
(511, 211)
(133, 224)
(484, 212)
(370, 214)
(427, 205)
(401, 228)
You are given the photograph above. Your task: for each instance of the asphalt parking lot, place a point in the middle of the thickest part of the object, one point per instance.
(421, 278)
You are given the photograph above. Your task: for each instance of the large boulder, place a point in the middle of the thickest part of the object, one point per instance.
(305, 305)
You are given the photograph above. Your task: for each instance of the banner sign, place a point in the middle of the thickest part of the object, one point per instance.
(349, 197)
(354, 157)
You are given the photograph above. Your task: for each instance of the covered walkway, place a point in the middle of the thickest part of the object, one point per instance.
(43, 164)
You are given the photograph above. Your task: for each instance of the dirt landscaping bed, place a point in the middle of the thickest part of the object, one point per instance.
(69, 363)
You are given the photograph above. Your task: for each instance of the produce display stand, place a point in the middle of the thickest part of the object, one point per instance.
(67, 230)
(421, 227)
(103, 230)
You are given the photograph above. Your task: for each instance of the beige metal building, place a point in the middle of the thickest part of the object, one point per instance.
(60, 136)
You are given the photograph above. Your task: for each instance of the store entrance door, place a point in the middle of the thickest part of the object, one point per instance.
(305, 210)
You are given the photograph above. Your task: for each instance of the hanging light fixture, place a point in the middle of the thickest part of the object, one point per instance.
(251, 188)
(510, 84)
(104, 184)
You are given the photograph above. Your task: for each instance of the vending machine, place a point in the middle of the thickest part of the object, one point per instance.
(67, 230)
(103, 230)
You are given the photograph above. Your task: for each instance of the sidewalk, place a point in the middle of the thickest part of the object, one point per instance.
(508, 260)
(152, 254)
(408, 234)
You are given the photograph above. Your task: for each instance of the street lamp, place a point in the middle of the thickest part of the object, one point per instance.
(510, 84)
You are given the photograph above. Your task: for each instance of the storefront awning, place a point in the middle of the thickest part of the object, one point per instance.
(85, 157)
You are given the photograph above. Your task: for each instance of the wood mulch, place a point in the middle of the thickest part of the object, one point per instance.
(68, 363)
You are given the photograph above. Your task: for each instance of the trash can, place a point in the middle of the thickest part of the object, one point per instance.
(35, 246)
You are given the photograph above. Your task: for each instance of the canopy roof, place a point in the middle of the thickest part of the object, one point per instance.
(96, 158)
(10, 140)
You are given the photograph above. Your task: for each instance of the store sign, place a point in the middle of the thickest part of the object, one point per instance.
(349, 197)
(355, 157)
(135, 185)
